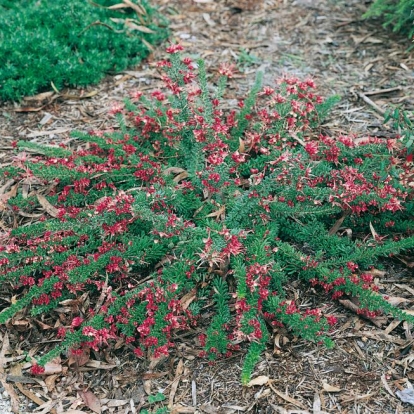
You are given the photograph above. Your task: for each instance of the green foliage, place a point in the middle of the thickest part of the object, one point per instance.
(395, 13)
(187, 214)
(156, 398)
(73, 43)
(402, 122)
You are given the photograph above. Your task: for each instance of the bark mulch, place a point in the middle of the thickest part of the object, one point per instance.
(370, 369)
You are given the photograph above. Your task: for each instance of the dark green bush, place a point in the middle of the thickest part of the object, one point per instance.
(70, 43)
(397, 14)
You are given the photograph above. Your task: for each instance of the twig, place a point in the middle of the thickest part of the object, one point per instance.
(98, 23)
(371, 103)
(380, 91)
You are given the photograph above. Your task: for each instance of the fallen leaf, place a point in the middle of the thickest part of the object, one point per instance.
(375, 235)
(29, 109)
(338, 224)
(14, 399)
(378, 321)
(99, 365)
(217, 213)
(74, 412)
(147, 387)
(50, 382)
(377, 272)
(171, 170)
(79, 360)
(91, 401)
(186, 300)
(130, 23)
(386, 386)
(178, 372)
(136, 7)
(406, 395)
(395, 300)
(286, 397)
(44, 133)
(39, 97)
(261, 380)
(116, 403)
(330, 388)
(180, 177)
(52, 368)
(53, 211)
(209, 409)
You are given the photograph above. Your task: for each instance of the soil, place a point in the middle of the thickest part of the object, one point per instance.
(370, 369)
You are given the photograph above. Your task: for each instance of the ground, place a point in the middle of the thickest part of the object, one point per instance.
(370, 365)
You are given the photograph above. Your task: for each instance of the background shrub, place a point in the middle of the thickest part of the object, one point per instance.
(399, 14)
(70, 43)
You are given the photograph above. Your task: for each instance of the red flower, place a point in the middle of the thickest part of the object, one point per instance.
(175, 48)
(37, 369)
(227, 69)
(76, 322)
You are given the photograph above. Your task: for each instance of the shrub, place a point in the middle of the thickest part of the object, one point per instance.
(71, 43)
(395, 13)
(185, 204)
(401, 122)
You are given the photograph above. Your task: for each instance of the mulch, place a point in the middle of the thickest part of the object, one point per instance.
(370, 369)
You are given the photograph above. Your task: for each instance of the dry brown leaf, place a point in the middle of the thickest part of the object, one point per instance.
(74, 412)
(91, 401)
(338, 224)
(14, 399)
(136, 7)
(7, 196)
(173, 170)
(32, 396)
(39, 97)
(217, 213)
(377, 272)
(209, 409)
(408, 261)
(53, 211)
(180, 177)
(118, 6)
(132, 25)
(50, 382)
(261, 380)
(116, 403)
(178, 372)
(85, 96)
(79, 360)
(29, 109)
(386, 386)
(6, 186)
(183, 410)
(378, 321)
(286, 397)
(242, 146)
(53, 367)
(154, 375)
(375, 235)
(330, 388)
(99, 365)
(45, 133)
(392, 326)
(186, 300)
(147, 387)
(395, 300)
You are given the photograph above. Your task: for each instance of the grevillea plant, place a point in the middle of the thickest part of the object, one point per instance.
(185, 205)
